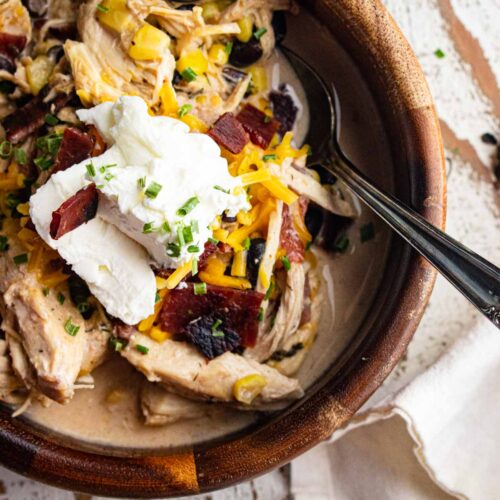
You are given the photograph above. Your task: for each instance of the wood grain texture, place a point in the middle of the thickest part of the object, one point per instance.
(388, 64)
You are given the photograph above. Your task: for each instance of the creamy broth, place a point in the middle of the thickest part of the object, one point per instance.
(350, 280)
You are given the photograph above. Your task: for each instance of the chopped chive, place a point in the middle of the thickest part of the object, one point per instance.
(219, 188)
(153, 189)
(246, 243)
(367, 232)
(165, 227)
(71, 328)
(216, 324)
(12, 200)
(141, 182)
(6, 150)
(269, 157)
(260, 317)
(147, 228)
(260, 33)
(61, 298)
(213, 240)
(157, 298)
(193, 249)
(45, 291)
(267, 119)
(188, 206)
(20, 156)
(51, 119)
(43, 162)
(4, 243)
(116, 344)
(200, 288)
(102, 8)
(103, 168)
(142, 349)
(308, 245)
(228, 48)
(180, 236)
(286, 263)
(83, 307)
(20, 259)
(173, 250)
(194, 267)
(439, 54)
(269, 291)
(195, 228)
(90, 169)
(108, 177)
(184, 110)
(187, 233)
(189, 75)
(215, 329)
(341, 244)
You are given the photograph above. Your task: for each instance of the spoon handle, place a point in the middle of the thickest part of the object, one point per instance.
(475, 277)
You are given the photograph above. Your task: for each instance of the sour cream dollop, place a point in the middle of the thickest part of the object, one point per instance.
(161, 187)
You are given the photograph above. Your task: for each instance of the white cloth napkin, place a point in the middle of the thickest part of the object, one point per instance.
(438, 437)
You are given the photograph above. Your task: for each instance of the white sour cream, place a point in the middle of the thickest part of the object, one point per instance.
(145, 152)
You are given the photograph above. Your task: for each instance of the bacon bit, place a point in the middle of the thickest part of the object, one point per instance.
(99, 145)
(289, 239)
(74, 212)
(229, 133)
(121, 330)
(211, 249)
(260, 126)
(76, 146)
(10, 47)
(239, 307)
(28, 119)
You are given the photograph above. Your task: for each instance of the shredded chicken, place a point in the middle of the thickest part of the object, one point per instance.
(12, 390)
(15, 19)
(181, 368)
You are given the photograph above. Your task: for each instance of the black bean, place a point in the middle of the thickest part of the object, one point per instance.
(333, 229)
(488, 138)
(226, 218)
(314, 219)
(246, 54)
(254, 258)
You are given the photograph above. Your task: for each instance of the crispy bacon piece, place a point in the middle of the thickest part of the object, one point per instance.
(289, 239)
(99, 145)
(229, 133)
(10, 47)
(28, 119)
(211, 249)
(259, 126)
(76, 146)
(74, 212)
(238, 310)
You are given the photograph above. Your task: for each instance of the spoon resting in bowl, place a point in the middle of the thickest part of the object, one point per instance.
(476, 278)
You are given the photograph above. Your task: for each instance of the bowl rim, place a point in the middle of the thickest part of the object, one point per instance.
(207, 467)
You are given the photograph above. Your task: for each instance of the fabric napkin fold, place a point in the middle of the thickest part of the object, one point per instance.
(437, 437)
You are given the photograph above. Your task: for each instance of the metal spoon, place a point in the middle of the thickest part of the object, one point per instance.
(476, 278)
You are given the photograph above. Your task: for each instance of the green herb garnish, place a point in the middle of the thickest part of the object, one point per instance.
(71, 328)
(148, 228)
(142, 349)
(173, 250)
(213, 240)
(141, 182)
(165, 227)
(45, 291)
(100, 7)
(194, 267)
(193, 249)
(228, 48)
(189, 75)
(269, 291)
(439, 54)
(286, 263)
(153, 190)
(20, 156)
(219, 188)
(4, 243)
(157, 298)
(184, 110)
(269, 157)
(61, 298)
(20, 259)
(200, 288)
(116, 344)
(260, 317)
(188, 206)
(246, 244)
(43, 162)
(6, 149)
(215, 329)
(260, 33)
(341, 244)
(51, 119)
(90, 169)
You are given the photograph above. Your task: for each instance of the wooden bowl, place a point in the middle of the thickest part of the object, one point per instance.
(385, 62)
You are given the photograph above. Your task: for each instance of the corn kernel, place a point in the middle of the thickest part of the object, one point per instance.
(211, 11)
(239, 267)
(246, 389)
(221, 235)
(218, 54)
(23, 208)
(168, 99)
(148, 43)
(246, 29)
(116, 15)
(158, 335)
(195, 60)
(259, 79)
(38, 72)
